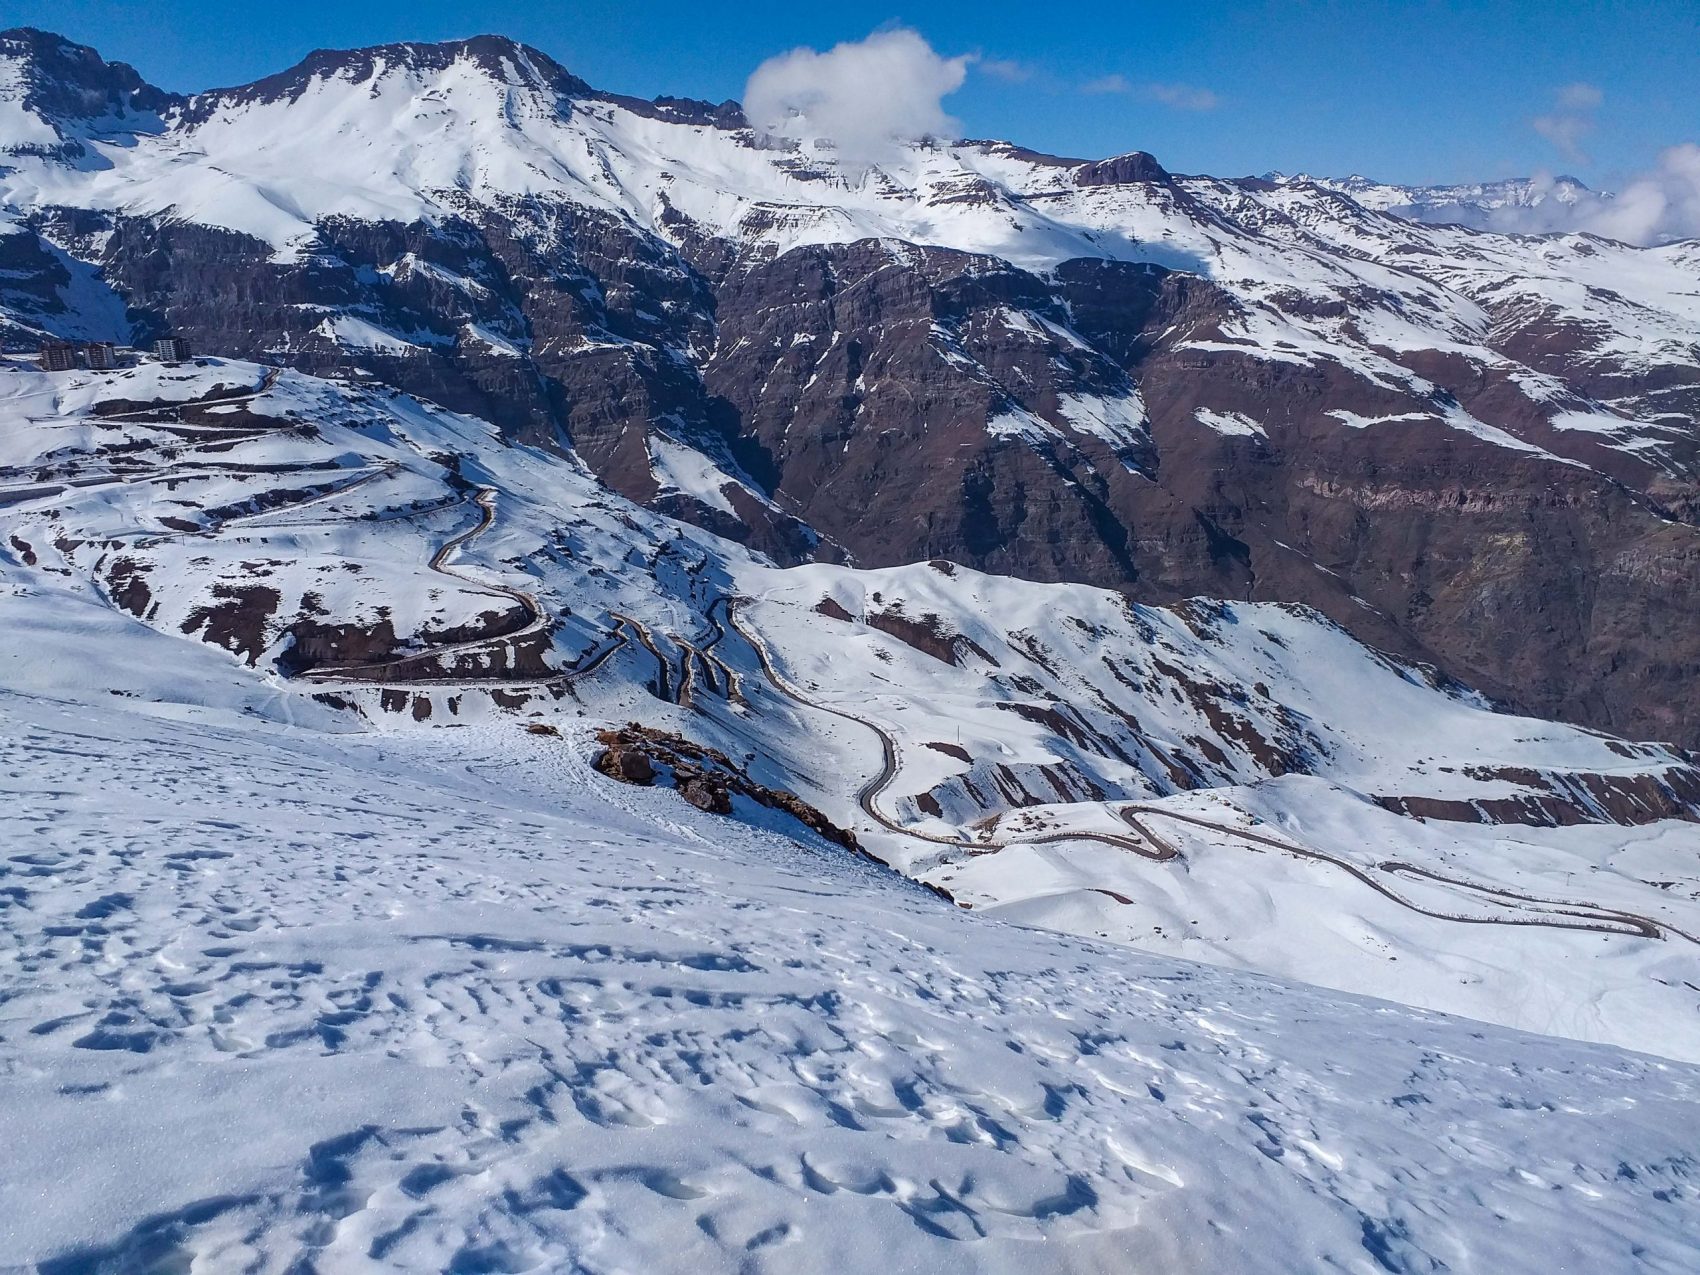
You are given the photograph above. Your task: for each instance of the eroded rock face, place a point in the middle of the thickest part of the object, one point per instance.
(68, 90)
(1568, 800)
(923, 405)
(705, 777)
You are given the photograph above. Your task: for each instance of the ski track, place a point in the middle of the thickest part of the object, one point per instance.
(446, 1002)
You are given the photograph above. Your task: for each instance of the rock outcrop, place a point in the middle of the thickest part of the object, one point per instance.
(705, 777)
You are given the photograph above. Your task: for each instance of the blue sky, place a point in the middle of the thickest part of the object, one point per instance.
(1410, 91)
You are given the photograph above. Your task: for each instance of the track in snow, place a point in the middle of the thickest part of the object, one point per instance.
(1548, 914)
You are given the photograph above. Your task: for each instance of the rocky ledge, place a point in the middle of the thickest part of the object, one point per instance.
(705, 777)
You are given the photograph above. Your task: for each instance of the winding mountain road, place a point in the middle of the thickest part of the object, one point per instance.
(485, 499)
(537, 618)
(706, 651)
(1542, 913)
(1646, 925)
(664, 685)
(1552, 914)
(1146, 844)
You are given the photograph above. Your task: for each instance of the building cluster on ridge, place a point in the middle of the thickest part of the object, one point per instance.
(101, 356)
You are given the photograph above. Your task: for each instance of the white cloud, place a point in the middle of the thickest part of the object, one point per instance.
(1580, 97)
(868, 97)
(1007, 69)
(1571, 120)
(1108, 84)
(1656, 207)
(1181, 97)
(1566, 133)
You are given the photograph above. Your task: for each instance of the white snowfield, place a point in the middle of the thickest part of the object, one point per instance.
(277, 998)
(1093, 710)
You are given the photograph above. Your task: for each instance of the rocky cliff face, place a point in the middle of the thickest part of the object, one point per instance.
(1474, 450)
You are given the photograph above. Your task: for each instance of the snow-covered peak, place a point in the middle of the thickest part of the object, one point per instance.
(397, 132)
(1464, 204)
(496, 59)
(1118, 170)
(55, 94)
(442, 68)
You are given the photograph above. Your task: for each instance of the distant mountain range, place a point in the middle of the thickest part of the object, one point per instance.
(1471, 204)
(1053, 368)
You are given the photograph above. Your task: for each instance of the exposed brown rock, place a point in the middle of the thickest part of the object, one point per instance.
(928, 635)
(951, 750)
(854, 383)
(1566, 800)
(317, 643)
(705, 777)
(126, 583)
(238, 622)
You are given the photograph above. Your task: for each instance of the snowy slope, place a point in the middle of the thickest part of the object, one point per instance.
(355, 550)
(448, 1001)
(1063, 711)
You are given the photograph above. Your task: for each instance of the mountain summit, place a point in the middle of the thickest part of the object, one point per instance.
(54, 95)
(498, 59)
(1479, 205)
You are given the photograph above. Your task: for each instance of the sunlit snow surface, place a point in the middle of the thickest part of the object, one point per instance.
(351, 512)
(280, 999)
(284, 988)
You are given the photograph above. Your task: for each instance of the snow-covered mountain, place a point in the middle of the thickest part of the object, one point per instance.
(1049, 751)
(1480, 205)
(1098, 372)
(1198, 583)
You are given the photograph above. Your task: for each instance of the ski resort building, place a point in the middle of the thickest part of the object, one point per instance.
(58, 356)
(171, 349)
